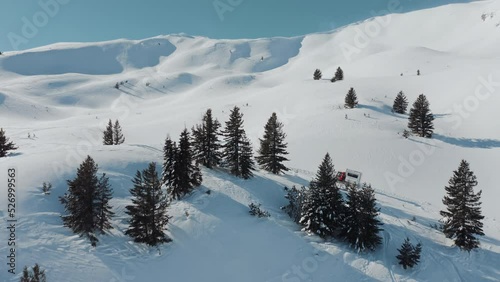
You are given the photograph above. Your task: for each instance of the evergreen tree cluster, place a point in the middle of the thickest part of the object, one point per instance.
(296, 197)
(148, 211)
(113, 134)
(181, 174)
(87, 202)
(255, 210)
(409, 255)
(322, 209)
(5, 144)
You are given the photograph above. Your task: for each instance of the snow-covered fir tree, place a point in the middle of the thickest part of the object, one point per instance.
(400, 103)
(409, 255)
(323, 207)
(82, 202)
(148, 211)
(339, 75)
(421, 119)
(5, 144)
(361, 225)
(168, 173)
(317, 74)
(463, 218)
(206, 143)
(35, 274)
(118, 137)
(237, 149)
(186, 171)
(296, 197)
(108, 134)
(351, 100)
(103, 210)
(272, 151)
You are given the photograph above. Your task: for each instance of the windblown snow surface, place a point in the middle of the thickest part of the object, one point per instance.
(64, 94)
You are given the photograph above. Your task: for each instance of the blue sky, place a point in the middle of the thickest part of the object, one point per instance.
(26, 24)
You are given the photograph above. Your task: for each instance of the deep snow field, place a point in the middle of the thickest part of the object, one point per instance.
(64, 94)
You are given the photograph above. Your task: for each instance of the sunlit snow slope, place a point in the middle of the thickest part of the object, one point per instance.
(64, 95)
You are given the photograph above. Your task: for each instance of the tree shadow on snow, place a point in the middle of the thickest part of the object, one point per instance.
(469, 142)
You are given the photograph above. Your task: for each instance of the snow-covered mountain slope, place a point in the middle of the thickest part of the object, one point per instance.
(64, 94)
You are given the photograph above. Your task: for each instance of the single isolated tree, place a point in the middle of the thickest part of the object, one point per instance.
(339, 75)
(86, 207)
(361, 225)
(351, 100)
(108, 134)
(463, 209)
(323, 207)
(409, 255)
(36, 274)
(237, 149)
(421, 118)
(272, 149)
(205, 141)
(148, 212)
(317, 74)
(400, 103)
(5, 144)
(118, 137)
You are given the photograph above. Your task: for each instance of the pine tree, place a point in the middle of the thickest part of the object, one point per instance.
(237, 149)
(108, 134)
(273, 147)
(206, 144)
(420, 120)
(400, 103)
(118, 137)
(361, 226)
(5, 144)
(35, 275)
(168, 174)
(323, 208)
(148, 212)
(463, 213)
(339, 75)
(81, 200)
(187, 174)
(409, 255)
(317, 74)
(351, 100)
(102, 207)
(296, 199)
(247, 164)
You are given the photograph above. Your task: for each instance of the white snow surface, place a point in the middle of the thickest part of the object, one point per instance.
(64, 95)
